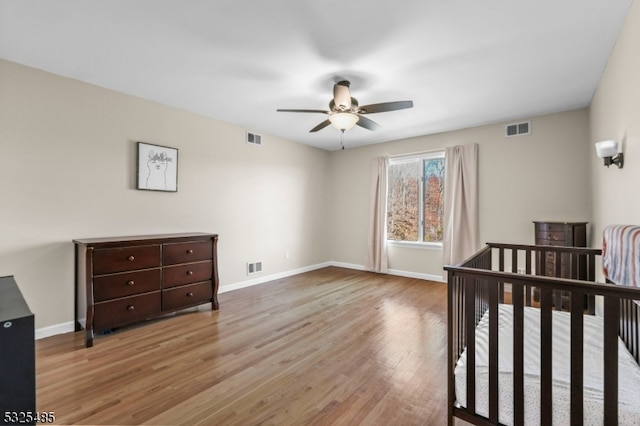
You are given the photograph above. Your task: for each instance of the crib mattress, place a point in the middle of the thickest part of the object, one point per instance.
(628, 370)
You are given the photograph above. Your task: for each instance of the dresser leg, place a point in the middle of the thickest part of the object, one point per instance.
(89, 338)
(214, 304)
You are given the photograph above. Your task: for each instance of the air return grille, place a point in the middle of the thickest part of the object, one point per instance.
(518, 129)
(253, 268)
(254, 138)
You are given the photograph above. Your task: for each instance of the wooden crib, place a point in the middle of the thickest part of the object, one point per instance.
(488, 283)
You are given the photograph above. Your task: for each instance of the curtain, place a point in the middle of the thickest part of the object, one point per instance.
(461, 224)
(376, 259)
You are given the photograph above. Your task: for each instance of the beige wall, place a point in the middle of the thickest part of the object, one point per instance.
(615, 114)
(542, 176)
(68, 171)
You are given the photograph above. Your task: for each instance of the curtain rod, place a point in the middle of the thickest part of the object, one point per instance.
(413, 154)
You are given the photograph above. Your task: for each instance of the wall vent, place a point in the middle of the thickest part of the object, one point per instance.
(254, 138)
(253, 268)
(518, 129)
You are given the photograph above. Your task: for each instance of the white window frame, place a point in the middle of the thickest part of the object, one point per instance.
(424, 245)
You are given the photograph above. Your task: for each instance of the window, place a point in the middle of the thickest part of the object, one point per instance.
(415, 192)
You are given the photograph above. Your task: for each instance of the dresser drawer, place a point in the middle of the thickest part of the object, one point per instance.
(552, 227)
(126, 310)
(185, 274)
(111, 260)
(188, 295)
(550, 237)
(192, 251)
(124, 284)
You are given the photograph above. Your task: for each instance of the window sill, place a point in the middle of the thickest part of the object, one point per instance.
(415, 245)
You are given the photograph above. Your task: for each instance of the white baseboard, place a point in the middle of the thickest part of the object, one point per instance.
(397, 272)
(348, 265)
(52, 330)
(67, 327)
(418, 275)
(272, 277)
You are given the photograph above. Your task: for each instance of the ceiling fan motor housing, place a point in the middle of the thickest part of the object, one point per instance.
(341, 95)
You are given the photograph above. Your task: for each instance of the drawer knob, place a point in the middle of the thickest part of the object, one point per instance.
(189, 294)
(131, 258)
(131, 282)
(130, 308)
(189, 272)
(190, 251)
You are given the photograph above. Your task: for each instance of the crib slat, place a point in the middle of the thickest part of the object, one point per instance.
(591, 276)
(462, 337)
(628, 326)
(493, 351)
(558, 302)
(470, 326)
(518, 354)
(611, 316)
(527, 270)
(633, 325)
(577, 357)
(591, 267)
(635, 336)
(558, 273)
(546, 400)
(625, 323)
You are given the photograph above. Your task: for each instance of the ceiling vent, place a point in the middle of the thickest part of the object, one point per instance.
(517, 129)
(254, 138)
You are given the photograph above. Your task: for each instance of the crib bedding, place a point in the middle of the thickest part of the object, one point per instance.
(621, 254)
(628, 370)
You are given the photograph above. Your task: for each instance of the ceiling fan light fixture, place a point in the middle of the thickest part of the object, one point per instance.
(343, 120)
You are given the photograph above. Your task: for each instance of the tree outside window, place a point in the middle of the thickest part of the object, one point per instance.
(415, 205)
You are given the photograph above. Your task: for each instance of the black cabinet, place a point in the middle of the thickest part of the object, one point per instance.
(17, 356)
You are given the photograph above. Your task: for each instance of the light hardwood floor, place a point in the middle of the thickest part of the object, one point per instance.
(332, 346)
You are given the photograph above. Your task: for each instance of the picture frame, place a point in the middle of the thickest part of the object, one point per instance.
(157, 168)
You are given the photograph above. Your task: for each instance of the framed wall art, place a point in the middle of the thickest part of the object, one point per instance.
(157, 168)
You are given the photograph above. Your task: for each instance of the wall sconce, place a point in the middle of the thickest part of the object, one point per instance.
(609, 151)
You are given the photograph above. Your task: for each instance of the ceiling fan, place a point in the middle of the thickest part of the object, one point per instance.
(344, 111)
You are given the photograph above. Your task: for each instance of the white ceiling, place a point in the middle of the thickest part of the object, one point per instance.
(463, 63)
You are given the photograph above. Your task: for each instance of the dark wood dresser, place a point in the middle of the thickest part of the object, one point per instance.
(568, 234)
(124, 280)
(17, 357)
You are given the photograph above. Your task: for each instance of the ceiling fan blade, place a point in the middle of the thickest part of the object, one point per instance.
(322, 111)
(385, 106)
(320, 126)
(341, 95)
(367, 123)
